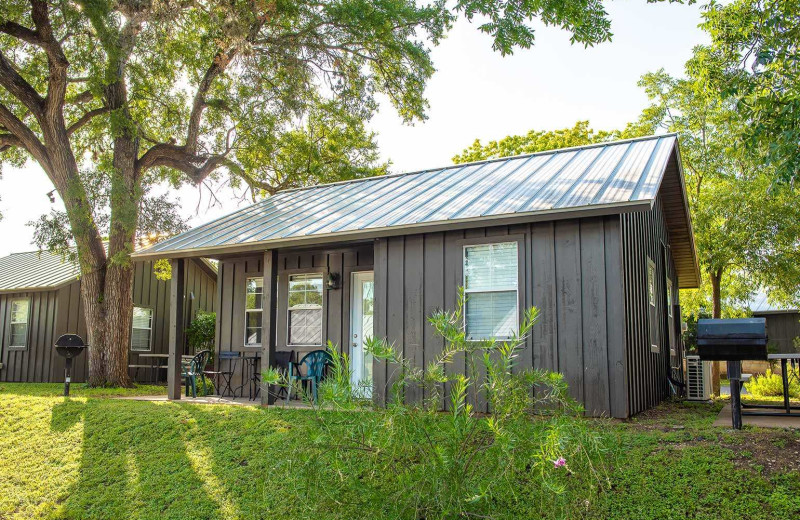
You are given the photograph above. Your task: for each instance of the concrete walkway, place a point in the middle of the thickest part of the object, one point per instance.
(789, 421)
(213, 399)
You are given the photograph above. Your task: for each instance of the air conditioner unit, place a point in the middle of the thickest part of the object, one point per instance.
(698, 379)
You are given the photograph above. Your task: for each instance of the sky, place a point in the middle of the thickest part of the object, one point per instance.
(475, 93)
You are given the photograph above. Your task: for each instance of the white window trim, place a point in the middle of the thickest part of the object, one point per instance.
(149, 343)
(493, 290)
(669, 298)
(248, 311)
(651, 265)
(289, 310)
(12, 322)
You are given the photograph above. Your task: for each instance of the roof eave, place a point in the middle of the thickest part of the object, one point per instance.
(697, 281)
(409, 229)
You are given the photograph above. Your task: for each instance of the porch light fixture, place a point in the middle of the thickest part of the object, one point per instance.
(333, 281)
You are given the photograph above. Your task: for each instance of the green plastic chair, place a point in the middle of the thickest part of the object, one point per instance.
(192, 370)
(315, 363)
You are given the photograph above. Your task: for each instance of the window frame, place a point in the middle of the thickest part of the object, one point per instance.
(289, 275)
(669, 298)
(11, 322)
(150, 342)
(519, 241)
(260, 309)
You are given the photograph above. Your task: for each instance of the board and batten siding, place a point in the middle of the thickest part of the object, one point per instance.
(571, 270)
(645, 236)
(782, 329)
(60, 311)
(233, 275)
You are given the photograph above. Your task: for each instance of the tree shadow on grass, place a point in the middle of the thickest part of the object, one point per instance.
(135, 462)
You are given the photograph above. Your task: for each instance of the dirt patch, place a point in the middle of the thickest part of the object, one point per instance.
(775, 452)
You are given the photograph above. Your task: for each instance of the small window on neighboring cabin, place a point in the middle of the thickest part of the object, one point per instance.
(18, 335)
(252, 309)
(669, 297)
(490, 288)
(305, 310)
(142, 333)
(651, 282)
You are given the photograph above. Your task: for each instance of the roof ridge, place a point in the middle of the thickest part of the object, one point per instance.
(484, 161)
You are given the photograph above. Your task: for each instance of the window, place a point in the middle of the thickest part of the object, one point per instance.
(669, 297)
(252, 310)
(490, 287)
(142, 333)
(651, 282)
(19, 323)
(305, 309)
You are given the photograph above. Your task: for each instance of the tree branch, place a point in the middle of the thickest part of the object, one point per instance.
(20, 32)
(179, 158)
(85, 118)
(24, 137)
(9, 141)
(19, 88)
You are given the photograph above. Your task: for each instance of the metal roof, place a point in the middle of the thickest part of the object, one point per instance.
(760, 304)
(606, 175)
(35, 270)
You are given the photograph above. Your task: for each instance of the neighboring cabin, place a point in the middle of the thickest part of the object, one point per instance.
(40, 300)
(783, 323)
(598, 238)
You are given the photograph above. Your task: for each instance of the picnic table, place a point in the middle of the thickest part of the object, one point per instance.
(155, 365)
(789, 363)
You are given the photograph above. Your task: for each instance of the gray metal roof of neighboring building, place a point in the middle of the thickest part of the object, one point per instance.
(603, 178)
(760, 305)
(35, 270)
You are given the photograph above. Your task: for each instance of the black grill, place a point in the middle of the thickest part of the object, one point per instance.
(732, 340)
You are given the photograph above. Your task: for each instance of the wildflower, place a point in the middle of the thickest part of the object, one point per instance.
(560, 463)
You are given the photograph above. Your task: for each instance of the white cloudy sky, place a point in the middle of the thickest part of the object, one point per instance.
(475, 93)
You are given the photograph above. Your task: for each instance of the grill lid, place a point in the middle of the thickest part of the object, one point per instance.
(734, 329)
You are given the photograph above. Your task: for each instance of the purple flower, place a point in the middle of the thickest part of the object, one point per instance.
(560, 463)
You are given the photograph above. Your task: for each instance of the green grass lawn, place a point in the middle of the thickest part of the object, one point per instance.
(96, 457)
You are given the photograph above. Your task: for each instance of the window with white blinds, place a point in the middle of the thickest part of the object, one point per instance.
(490, 287)
(305, 310)
(18, 331)
(142, 333)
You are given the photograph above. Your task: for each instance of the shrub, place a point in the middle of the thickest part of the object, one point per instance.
(771, 385)
(201, 332)
(530, 448)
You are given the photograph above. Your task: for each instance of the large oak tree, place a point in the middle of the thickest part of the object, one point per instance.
(110, 97)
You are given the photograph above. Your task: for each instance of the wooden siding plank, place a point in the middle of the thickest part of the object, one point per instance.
(615, 318)
(380, 323)
(568, 305)
(413, 308)
(593, 306)
(433, 296)
(544, 296)
(395, 298)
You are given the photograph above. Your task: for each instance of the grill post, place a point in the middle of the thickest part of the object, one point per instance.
(735, 377)
(67, 370)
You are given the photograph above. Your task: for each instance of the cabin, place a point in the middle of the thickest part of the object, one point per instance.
(783, 323)
(598, 238)
(40, 301)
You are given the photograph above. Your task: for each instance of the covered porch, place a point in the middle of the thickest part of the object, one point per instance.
(276, 305)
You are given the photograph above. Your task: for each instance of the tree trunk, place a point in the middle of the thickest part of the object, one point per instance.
(715, 276)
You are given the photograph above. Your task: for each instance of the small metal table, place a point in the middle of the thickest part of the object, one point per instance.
(155, 364)
(787, 361)
(250, 374)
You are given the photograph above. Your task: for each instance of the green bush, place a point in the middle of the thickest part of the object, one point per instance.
(771, 385)
(532, 446)
(201, 332)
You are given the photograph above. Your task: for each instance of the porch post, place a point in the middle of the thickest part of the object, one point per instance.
(269, 318)
(177, 294)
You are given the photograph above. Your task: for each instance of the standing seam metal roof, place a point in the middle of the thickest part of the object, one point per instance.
(35, 270)
(608, 174)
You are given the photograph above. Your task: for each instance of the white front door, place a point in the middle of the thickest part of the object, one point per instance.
(362, 301)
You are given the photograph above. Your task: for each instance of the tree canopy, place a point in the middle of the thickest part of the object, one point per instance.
(543, 140)
(110, 97)
(753, 61)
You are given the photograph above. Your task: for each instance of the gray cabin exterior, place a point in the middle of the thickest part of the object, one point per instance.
(598, 238)
(48, 290)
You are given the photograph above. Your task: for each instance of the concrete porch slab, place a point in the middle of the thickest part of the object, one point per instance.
(789, 421)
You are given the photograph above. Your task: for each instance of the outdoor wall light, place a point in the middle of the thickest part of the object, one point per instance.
(333, 280)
